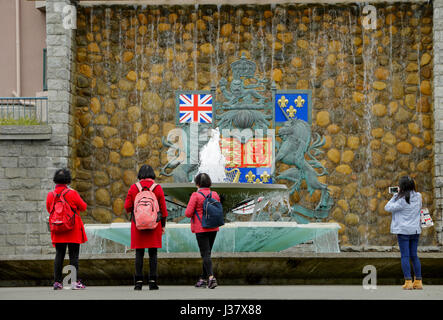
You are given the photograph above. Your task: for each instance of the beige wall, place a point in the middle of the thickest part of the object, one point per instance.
(33, 40)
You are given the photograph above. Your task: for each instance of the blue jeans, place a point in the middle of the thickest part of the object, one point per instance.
(408, 244)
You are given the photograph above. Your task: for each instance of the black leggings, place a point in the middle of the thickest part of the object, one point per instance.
(205, 242)
(60, 252)
(139, 255)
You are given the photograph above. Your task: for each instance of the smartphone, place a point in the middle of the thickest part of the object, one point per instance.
(393, 190)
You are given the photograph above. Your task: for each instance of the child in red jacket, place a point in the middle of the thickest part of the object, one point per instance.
(71, 238)
(205, 237)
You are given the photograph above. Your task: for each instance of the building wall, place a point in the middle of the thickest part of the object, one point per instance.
(27, 166)
(33, 40)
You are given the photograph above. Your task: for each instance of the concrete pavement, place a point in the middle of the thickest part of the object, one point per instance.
(234, 293)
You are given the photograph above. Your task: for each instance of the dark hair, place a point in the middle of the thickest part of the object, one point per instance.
(62, 176)
(146, 172)
(406, 185)
(203, 180)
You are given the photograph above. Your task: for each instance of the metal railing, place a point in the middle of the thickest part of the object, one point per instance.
(23, 110)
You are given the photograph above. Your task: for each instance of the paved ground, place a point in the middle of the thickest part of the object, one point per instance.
(234, 293)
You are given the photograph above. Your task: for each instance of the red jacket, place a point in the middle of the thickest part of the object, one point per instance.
(78, 234)
(196, 203)
(142, 239)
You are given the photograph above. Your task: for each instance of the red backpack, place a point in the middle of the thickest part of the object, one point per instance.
(62, 216)
(146, 208)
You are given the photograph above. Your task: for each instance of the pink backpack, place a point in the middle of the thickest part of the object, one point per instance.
(146, 208)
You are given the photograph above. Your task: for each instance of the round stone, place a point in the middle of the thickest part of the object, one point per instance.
(417, 142)
(379, 110)
(102, 215)
(101, 119)
(134, 113)
(101, 179)
(127, 149)
(103, 197)
(353, 142)
(303, 44)
(322, 118)
(114, 172)
(425, 59)
(382, 73)
(375, 144)
(337, 214)
(379, 85)
(404, 147)
(126, 85)
(343, 204)
(333, 128)
(131, 76)
(410, 101)
(127, 56)
(277, 75)
(424, 166)
(358, 97)
(344, 168)
(296, 62)
(414, 128)
(142, 140)
(141, 85)
(347, 156)
(98, 142)
(377, 132)
(118, 206)
(162, 27)
(351, 219)
(151, 101)
(425, 87)
(226, 30)
(381, 208)
(389, 138)
(207, 49)
(129, 177)
(95, 105)
(334, 155)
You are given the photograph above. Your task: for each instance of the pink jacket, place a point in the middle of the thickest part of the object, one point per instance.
(196, 203)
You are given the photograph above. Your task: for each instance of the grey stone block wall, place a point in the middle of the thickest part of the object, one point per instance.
(438, 115)
(27, 165)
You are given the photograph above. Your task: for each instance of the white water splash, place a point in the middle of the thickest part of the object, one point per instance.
(212, 161)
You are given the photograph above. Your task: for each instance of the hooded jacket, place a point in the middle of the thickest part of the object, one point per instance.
(405, 217)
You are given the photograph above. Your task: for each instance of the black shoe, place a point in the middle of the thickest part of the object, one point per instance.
(138, 283)
(212, 283)
(153, 285)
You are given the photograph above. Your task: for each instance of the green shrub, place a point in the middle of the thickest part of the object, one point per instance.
(26, 121)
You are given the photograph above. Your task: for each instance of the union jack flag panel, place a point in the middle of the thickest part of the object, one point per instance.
(195, 108)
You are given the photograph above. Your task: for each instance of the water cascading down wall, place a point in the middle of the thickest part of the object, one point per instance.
(371, 96)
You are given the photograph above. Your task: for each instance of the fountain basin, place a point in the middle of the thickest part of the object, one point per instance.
(232, 237)
(231, 194)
